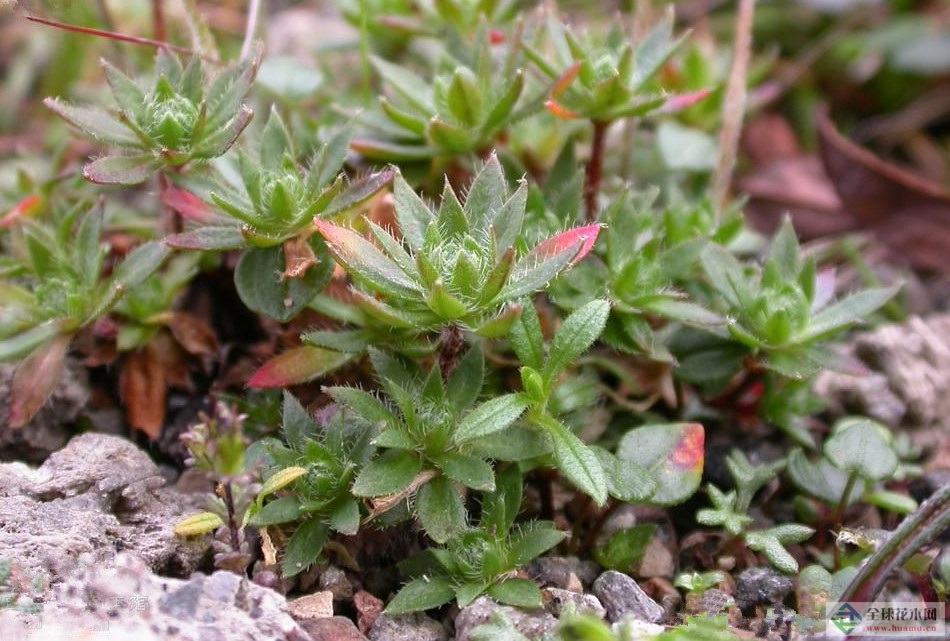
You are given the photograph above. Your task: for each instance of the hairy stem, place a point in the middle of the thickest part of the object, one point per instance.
(595, 169)
(734, 105)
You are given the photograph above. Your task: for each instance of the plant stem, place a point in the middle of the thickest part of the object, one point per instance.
(253, 12)
(232, 521)
(733, 105)
(595, 168)
(917, 530)
(158, 18)
(112, 35)
(840, 510)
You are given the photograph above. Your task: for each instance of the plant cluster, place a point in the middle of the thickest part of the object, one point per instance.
(492, 312)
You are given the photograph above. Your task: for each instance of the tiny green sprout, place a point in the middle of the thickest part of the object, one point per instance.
(183, 115)
(699, 582)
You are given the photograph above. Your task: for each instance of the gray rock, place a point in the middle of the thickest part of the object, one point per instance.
(334, 580)
(761, 586)
(624, 599)
(909, 373)
(332, 629)
(98, 495)
(409, 627)
(557, 571)
(534, 624)
(47, 431)
(122, 597)
(557, 601)
(318, 605)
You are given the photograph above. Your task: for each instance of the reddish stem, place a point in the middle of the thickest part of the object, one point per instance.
(112, 35)
(158, 18)
(595, 169)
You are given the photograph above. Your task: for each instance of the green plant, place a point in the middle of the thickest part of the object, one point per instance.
(549, 323)
(219, 448)
(730, 511)
(858, 455)
(481, 559)
(56, 289)
(313, 474)
(182, 116)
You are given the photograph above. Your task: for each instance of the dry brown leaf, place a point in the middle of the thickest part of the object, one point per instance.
(907, 214)
(142, 384)
(35, 379)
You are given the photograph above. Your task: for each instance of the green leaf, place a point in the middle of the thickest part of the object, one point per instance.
(215, 238)
(94, 122)
(275, 141)
(392, 472)
(770, 543)
(852, 309)
(282, 510)
(577, 462)
(304, 547)
(501, 507)
(411, 87)
(328, 162)
(413, 214)
(296, 422)
(491, 416)
(264, 287)
(726, 275)
(626, 548)
(18, 346)
(355, 193)
(298, 365)
(686, 148)
(465, 384)
(440, 509)
(530, 541)
(672, 455)
(470, 471)
(345, 518)
(785, 250)
(366, 405)
(822, 479)
(488, 193)
(366, 263)
(281, 479)
(893, 501)
(120, 170)
(198, 524)
(527, 339)
(858, 446)
(421, 594)
(576, 335)
(140, 264)
(625, 480)
(520, 593)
